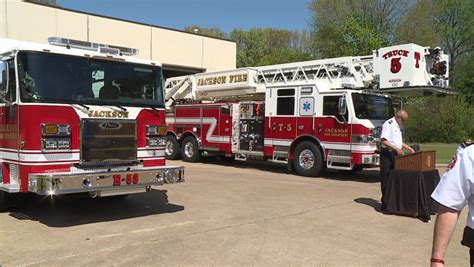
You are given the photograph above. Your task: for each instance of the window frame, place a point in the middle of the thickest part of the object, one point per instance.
(283, 96)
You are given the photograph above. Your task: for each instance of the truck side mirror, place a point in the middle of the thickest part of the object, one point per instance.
(3, 78)
(342, 106)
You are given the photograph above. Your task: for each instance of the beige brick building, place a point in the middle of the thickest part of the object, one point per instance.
(179, 52)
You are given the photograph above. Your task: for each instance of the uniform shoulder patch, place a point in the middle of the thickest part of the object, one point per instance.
(453, 162)
(390, 122)
(467, 143)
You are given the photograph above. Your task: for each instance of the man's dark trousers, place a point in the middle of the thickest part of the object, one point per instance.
(387, 163)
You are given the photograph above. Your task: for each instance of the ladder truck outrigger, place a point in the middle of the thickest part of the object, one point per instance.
(80, 117)
(310, 115)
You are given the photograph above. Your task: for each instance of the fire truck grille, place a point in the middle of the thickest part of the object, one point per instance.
(108, 140)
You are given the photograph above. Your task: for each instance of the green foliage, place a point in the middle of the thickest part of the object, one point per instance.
(283, 55)
(455, 24)
(450, 25)
(360, 38)
(210, 32)
(463, 77)
(417, 25)
(264, 46)
(350, 27)
(444, 151)
(434, 119)
(250, 46)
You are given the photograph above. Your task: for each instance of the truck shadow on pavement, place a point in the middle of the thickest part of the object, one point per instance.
(365, 176)
(79, 209)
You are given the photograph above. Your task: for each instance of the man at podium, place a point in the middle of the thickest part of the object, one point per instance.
(391, 146)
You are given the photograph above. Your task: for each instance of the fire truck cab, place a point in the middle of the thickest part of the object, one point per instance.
(80, 117)
(309, 115)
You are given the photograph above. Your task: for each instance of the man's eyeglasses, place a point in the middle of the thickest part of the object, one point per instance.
(401, 118)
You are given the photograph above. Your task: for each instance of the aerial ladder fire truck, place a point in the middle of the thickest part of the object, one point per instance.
(309, 115)
(80, 117)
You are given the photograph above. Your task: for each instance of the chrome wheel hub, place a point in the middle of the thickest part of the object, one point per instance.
(169, 148)
(189, 150)
(306, 159)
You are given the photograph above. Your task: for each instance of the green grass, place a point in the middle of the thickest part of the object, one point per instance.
(444, 152)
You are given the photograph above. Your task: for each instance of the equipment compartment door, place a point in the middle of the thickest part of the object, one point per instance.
(211, 137)
(225, 128)
(251, 126)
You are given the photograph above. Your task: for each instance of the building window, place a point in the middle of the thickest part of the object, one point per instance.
(286, 102)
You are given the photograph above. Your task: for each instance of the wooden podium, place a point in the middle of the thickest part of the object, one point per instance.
(419, 161)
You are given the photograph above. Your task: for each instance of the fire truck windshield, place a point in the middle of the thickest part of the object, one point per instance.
(55, 78)
(372, 107)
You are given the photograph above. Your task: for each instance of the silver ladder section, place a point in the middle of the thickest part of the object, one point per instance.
(343, 72)
(178, 88)
(335, 73)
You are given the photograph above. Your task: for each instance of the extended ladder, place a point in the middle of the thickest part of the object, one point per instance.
(344, 72)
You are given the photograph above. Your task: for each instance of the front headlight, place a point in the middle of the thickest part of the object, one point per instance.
(56, 143)
(152, 130)
(155, 141)
(55, 129)
(64, 143)
(50, 144)
(55, 136)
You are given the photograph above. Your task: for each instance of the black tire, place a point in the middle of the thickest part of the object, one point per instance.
(357, 168)
(226, 160)
(118, 197)
(5, 201)
(172, 149)
(190, 150)
(307, 159)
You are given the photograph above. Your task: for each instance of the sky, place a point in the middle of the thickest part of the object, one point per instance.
(225, 14)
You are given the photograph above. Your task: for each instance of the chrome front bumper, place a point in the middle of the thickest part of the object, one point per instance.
(371, 159)
(105, 182)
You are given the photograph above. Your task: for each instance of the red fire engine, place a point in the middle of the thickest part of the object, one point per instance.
(310, 115)
(80, 117)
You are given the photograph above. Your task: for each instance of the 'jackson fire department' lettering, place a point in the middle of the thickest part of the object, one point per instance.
(336, 132)
(108, 114)
(237, 78)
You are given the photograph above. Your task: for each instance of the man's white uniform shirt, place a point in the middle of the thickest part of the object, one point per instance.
(392, 133)
(457, 185)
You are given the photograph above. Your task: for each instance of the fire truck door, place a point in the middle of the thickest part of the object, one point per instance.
(9, 122)
(281, 128)
(333, 129)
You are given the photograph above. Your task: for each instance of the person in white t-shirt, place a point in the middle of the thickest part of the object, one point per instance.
(455, 189)
(392, 146)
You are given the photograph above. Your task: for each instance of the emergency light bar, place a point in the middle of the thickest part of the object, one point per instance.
(101, 48)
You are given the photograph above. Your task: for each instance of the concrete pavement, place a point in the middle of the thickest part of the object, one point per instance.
(242, 213)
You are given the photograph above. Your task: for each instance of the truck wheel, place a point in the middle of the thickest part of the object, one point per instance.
(5, 201)
(307, 159)
(357, 168)
(190, 150)
(172, 148)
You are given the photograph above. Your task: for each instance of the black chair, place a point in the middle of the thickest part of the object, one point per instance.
(109, 92)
